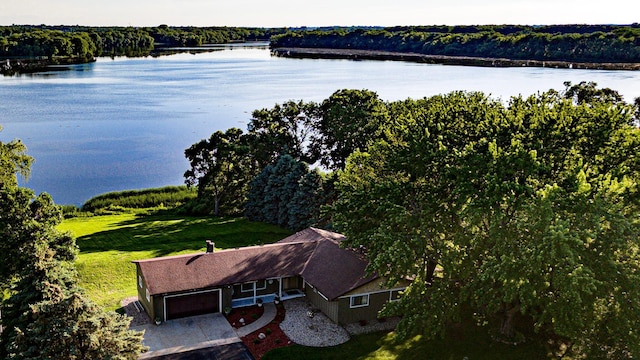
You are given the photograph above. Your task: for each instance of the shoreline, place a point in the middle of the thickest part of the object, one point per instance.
(353, 54)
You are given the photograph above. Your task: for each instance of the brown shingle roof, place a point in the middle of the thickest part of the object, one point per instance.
(312, 253)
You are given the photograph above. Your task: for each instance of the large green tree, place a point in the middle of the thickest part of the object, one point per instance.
(221, 168)
(44, 314)
(350, 119)
(529, 210)
(287, 128)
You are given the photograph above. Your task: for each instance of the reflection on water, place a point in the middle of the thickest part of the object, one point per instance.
(123, 123)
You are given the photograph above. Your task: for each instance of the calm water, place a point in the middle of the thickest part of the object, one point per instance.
(123, 123)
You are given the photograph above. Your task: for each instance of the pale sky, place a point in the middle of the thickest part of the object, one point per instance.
(279, 13)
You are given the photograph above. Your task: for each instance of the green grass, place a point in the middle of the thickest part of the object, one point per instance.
(109, 243)
(473, 344)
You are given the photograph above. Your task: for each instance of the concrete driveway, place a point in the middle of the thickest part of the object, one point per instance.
(188, 334)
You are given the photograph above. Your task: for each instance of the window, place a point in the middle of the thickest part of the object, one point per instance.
(140, 281)
(359, 301)
(394, 295)
(247, 287)
(148, 296)
(261, 284)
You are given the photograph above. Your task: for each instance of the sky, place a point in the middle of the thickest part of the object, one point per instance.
(293, 13)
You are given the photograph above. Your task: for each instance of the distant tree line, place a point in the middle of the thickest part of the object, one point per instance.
(578, 43)
(85, 43)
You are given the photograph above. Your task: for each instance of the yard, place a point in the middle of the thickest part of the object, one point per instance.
(109, 243)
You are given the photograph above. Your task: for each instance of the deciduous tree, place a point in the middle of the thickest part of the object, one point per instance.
(528, 209)
(350, 119)
(221, 168)
(287, 128)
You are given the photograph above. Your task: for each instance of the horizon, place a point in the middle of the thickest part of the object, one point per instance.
(284, 13)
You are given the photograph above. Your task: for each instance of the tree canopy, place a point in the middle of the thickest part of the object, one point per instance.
(221, 168)
(44, 313)
(523, 216)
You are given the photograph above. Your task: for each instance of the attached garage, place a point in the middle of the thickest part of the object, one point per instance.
(191, 304)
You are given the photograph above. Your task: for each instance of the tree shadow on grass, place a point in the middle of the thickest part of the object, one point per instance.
(164, 234)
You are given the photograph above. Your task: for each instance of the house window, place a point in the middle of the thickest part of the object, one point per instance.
(394, 295)
(261, 284)
(140, 281)
(247, 287)
(148, 296)
(359, 301)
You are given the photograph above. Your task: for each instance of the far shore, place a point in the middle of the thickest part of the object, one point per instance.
(353, 54)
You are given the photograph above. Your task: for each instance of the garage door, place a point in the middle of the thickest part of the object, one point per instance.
(192, 304)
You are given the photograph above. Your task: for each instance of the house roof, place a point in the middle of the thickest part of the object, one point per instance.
(314, 254)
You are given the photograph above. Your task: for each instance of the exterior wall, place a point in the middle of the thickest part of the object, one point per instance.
(370, 312)
(141, 285)
(378, 296)
(227, 295)
(377, 285)
(292, 282)
(270, 288)
(158, 307)
(329, 308)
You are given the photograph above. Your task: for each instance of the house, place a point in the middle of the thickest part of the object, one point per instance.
(308, 264)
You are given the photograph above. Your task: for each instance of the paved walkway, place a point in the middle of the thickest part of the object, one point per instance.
(264, 320)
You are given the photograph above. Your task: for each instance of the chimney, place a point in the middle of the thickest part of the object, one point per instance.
(210, 246)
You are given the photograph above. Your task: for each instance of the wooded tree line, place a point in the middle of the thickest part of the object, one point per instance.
(575, 43)
(87, 42)
(264, 173)
(45, 315)
(520, 215)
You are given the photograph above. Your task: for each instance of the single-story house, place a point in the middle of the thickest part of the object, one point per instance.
(309, 263)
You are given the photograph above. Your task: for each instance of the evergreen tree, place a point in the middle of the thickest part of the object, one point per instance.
(286, 194)
(304, 208)
(44, 313)
(255, 205)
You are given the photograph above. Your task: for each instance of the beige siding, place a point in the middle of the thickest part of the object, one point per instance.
(329, 308)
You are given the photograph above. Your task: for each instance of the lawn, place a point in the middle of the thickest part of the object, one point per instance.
(473, 344)
(109, 243)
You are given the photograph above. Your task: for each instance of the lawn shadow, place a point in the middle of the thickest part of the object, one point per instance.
(164, 234)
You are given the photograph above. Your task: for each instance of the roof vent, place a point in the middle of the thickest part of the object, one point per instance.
(210, 246)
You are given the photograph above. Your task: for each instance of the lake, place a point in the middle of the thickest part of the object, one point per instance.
(123, 123)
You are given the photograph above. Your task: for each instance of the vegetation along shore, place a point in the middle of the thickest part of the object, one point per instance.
(354, 54)
(610, 47)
